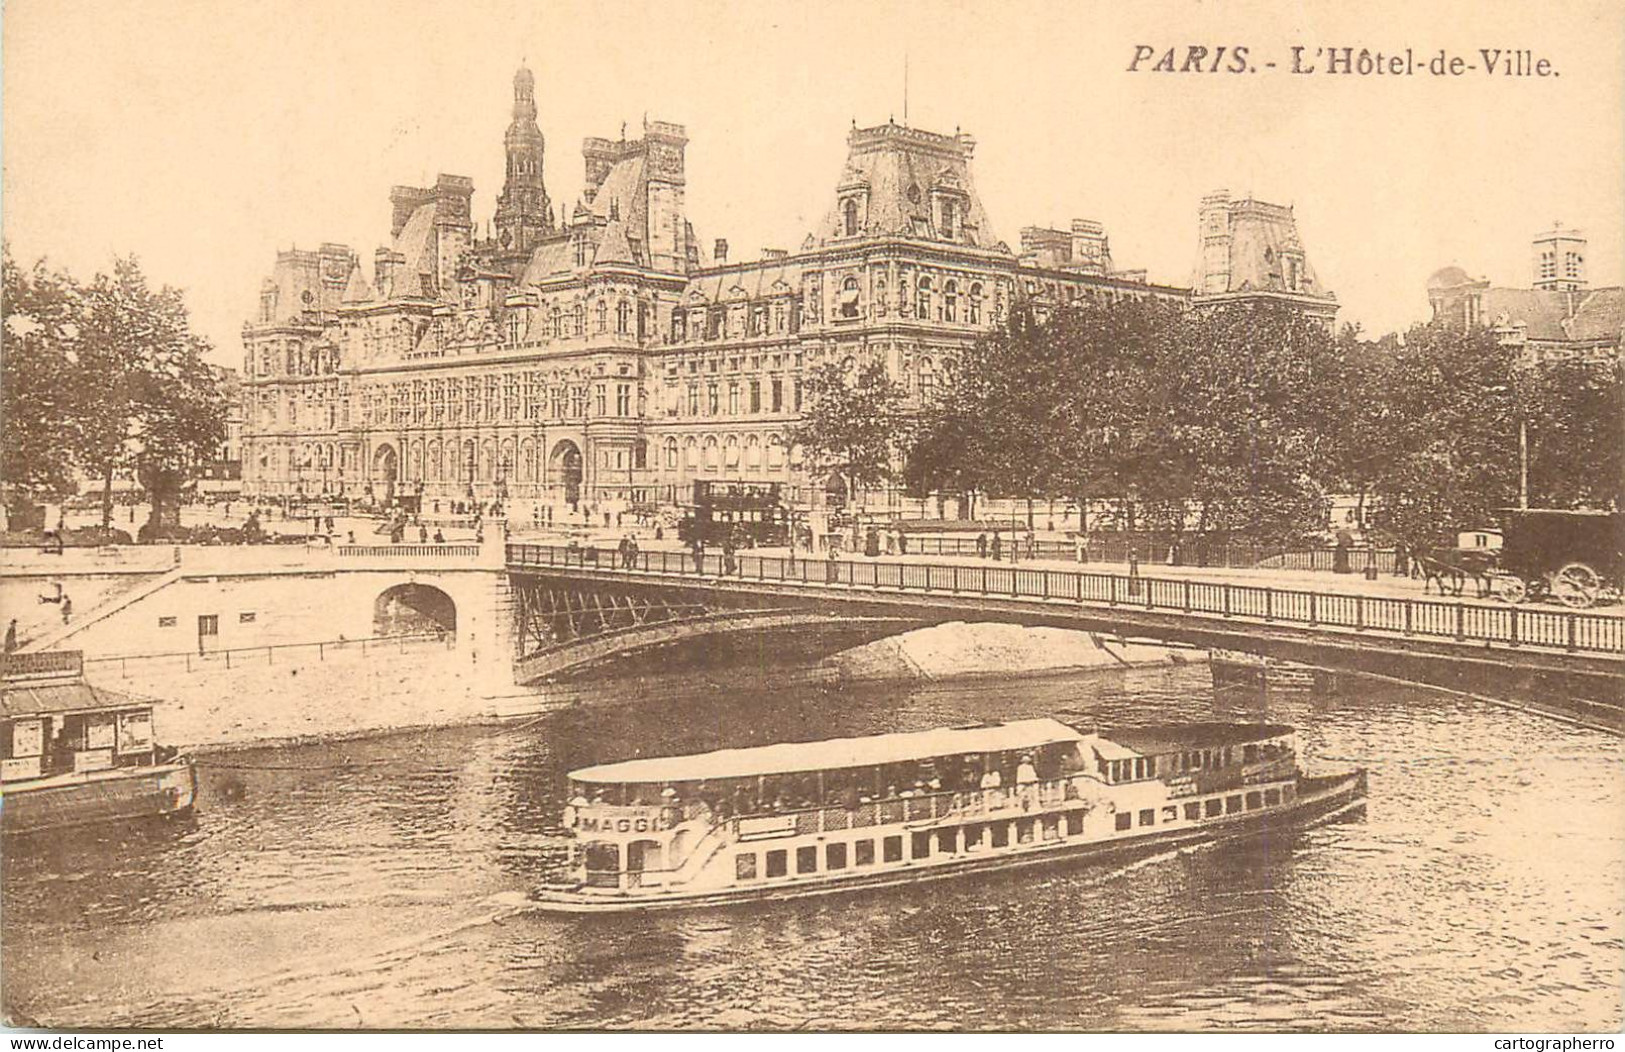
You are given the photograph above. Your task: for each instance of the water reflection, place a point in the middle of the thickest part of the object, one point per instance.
(380, 882)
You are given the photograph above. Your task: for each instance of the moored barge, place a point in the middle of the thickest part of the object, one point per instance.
(799, 819)
(75, 754)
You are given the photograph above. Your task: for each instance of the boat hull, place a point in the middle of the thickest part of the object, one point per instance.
(1318, 798)
(105, 796)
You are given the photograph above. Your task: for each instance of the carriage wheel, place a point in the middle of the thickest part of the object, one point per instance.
(1576, 585)
(1510, 589)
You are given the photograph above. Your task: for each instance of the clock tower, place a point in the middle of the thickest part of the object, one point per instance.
(524, 213)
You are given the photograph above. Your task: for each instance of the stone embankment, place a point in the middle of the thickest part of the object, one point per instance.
(316, 693)
(961, 649)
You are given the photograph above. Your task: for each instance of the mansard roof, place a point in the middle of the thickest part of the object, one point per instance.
(897, 172)
(757, 281)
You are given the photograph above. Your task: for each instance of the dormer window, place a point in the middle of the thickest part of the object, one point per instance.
(849, 217)
(948, 220)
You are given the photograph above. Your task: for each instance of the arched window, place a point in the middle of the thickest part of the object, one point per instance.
(623, 317)
(601, 317)
(923, 307)
(928, 380)
(555, 324)
(753, 453)
(579, 319)
(848, 305)
(671, 453)
(950, 301)
(710, 452)
(775, 453)
(975, 304)
(730, 452)
(679, 325)
(691, 453)
(849, 217)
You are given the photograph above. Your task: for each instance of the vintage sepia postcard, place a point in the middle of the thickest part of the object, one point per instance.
(861, 515)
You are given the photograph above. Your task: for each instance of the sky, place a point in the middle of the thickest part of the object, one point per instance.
(204, 136)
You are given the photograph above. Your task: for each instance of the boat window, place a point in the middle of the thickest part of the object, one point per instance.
(1232, 804)
(1024, 831)
(807, 859)
(1001, 834)
(1052, 827)
(777, 863)
(921, 846)
(1249, 754)
(1212, 808)
(892, 849)
(1272, 796)
(602, 857)
(745, 866)
(1148, 817)
(1197, 760)
(835, 856)
(1286, 792)
(1254, 801)
(1193, 812)
(1170, 813)
(947, 841)
(973, 837)
(864, 852)
(1074, 823)
(1124, 820)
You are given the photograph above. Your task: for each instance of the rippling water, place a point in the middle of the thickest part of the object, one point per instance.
(380, 884)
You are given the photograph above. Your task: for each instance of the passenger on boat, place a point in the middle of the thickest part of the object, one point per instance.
(1027, 782)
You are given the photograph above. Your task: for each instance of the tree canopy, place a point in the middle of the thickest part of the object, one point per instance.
(104, 377)
(853, 423)
(1246, 419)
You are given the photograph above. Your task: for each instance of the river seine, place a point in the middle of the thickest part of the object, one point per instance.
(380, 883)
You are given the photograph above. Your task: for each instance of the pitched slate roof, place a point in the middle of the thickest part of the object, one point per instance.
(1548, 315)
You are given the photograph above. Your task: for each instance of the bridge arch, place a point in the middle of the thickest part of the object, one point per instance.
(413, 609)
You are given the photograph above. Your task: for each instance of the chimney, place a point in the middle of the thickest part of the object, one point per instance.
(774, 253)
(721, 253)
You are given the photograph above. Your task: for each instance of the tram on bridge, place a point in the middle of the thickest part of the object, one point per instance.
(753, 514)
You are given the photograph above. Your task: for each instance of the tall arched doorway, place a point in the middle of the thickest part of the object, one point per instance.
(564, 467)
(413, 609)
(386, 468)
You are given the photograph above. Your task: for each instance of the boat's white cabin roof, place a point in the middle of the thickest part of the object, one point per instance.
(835, 753)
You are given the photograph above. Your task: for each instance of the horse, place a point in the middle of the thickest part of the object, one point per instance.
(1441, 566)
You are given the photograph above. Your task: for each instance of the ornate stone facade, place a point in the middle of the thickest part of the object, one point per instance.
(594, 360)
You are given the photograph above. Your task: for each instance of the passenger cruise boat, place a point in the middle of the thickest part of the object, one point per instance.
(797, 819)
(74, 754)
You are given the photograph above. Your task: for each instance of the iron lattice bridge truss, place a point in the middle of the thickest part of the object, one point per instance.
(552, 613)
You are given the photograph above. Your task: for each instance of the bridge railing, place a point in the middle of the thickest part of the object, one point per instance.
(1570, 630)
(1109, 549)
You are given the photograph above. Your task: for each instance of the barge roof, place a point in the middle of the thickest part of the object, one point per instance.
(834, 754)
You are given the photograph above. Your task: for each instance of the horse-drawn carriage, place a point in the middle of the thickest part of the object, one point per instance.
(1576, 558)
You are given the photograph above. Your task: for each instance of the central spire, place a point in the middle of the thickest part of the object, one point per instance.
(524, 212)
(524, 96)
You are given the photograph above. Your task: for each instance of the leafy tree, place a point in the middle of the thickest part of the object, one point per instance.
(1451, 449)
(39, 341)
(1574, 413)
(854, 423)
(155, 406)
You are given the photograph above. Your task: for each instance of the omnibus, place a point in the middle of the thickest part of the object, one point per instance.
(753, 513)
